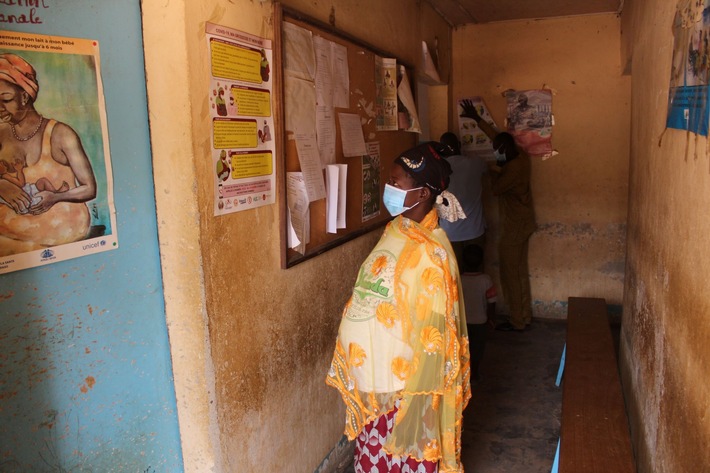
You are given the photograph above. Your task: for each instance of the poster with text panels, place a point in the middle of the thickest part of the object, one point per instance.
(242, 122)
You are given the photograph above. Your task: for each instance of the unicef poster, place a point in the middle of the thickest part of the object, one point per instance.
(56, 186)
(242, 123)
(688, 95)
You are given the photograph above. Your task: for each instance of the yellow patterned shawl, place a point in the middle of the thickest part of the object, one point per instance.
(403, 337)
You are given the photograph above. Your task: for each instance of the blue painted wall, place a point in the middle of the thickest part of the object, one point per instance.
(85, 374)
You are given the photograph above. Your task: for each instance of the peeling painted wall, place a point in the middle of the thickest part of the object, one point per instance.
(580, 195)
(85, 372)
(251, 343)
(664, 353)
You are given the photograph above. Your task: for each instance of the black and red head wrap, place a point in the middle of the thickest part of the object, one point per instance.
(426, 165)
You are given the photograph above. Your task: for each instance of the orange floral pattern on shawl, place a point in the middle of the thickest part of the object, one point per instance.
(426, 313)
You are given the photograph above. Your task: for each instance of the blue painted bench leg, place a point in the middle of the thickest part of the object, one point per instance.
(556, 463)
(562, 366)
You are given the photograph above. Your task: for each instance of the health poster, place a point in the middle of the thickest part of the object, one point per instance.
(241, 102)
(688, 98)
(56, 184)
(473, 139)
(386, 93)
(371, 182)
(529, 120)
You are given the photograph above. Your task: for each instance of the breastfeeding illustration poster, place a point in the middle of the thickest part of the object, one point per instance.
(242, 122)
(688, 106)
(56, 185)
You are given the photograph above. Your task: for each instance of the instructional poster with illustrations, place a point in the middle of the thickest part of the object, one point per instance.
(371, 182)
(473, 139)
(242, 121)
(386, 93)
(529, 120)
(688, 98)
(56, 185)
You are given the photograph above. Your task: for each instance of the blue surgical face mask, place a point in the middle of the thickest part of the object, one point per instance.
(393, 199)
(500, 156)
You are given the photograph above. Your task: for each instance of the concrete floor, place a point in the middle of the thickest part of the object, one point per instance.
(512, 422)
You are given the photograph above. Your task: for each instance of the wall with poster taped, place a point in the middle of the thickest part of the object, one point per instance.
(251, 343)
(85, 370)
(664, 354)
(580, 195)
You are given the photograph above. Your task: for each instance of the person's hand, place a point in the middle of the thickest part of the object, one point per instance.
(469, 110)
(48, 199)
(18, 165)
(16, 198)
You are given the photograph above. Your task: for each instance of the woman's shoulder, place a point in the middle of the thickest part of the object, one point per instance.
(61, 131)
(59, 126)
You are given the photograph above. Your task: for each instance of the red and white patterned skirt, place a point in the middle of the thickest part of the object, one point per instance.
(371, 458)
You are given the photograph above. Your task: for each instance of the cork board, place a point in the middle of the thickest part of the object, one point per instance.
(361, 59)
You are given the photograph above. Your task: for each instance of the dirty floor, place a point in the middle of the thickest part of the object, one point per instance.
(512, 422)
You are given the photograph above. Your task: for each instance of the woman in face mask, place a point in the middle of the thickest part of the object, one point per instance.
(401, 361)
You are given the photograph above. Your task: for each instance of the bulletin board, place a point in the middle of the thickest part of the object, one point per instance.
(361, 59)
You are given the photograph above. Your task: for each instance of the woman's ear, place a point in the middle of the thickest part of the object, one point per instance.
(24, 97)
(424, 193)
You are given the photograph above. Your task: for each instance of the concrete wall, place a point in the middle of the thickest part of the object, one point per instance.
(664, 345)
(580, 195)
(251, 343)
(85, 372)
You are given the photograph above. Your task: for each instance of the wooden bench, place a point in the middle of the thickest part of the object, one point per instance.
(594, 435)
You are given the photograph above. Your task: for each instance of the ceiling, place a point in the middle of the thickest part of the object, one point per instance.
(461, 12)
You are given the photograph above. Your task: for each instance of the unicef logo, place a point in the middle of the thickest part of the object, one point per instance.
(103, 243)
(47, 254)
